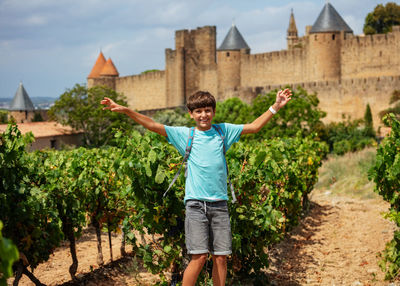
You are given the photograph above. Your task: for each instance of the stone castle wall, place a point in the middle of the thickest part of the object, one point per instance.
(347, 97)
(371, 55)
(346, 71)
(144, 91)
(24, 116)
(273, 68)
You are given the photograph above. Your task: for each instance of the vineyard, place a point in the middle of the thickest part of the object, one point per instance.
(48, 197)
(51, 196)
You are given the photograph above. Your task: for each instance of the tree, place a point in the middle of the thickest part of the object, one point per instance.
(382, 19)
(368, 122)
(301, 114)
(233, 110)
(37, 117)
(176, 117)
(3, 116)
(80, 108)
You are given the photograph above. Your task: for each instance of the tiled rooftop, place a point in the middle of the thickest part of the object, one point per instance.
(42, 129)
(98, 66)
(109, 69)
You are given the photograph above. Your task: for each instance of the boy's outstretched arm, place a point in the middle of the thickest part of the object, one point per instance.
(282, 97)
(141, 119)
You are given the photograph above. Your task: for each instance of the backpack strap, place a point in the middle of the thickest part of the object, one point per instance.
(185, 158)
(222, 135)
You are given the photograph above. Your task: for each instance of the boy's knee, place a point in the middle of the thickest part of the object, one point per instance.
(200, 258)
(219, 258)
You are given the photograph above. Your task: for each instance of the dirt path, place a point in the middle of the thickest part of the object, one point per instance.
(335, 244)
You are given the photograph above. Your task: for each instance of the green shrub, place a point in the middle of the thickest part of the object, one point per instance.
(8, 255)
(3, 116)
(386, 175)
(341, 147)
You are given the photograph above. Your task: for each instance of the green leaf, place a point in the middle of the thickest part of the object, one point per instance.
(167, 249)
(152, 156)
(160, 175)
(260, 158)
(148, 169)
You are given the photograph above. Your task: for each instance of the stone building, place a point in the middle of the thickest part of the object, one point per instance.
(346, 71)
(22, 109)
(49, 134)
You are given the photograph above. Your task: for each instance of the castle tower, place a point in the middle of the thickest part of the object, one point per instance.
(229, 60)
(325, 39)
(96, 70)
(191, 63)
(103, 73)
(22, 109)
(109, 69)
(292, 37)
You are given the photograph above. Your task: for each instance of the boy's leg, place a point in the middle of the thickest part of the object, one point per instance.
(221, 238)
(219, 270)
(197, 239)
(193, 269)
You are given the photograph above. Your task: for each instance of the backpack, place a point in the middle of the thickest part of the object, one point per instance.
(187, 153)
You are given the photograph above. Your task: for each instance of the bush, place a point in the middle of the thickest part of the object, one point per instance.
(3, 116)
(8, 255)
(28, 220)
(386, 175)
(348, 135)
(341, 147)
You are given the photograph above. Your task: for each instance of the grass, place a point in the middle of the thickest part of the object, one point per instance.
(348, 175)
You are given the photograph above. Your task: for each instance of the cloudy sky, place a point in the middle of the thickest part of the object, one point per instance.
(50, 45)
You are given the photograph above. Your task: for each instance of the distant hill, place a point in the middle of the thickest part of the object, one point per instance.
(38, 101)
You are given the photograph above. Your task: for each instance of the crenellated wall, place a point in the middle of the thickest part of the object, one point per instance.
(347, 97)
(273, 68)
(372, 55)
(144, 91)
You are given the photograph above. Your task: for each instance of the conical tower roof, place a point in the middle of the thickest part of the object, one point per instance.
(21, 100)
(329, 20)
(292, 30)
(98, 66)
(233, 41)
(109, 69)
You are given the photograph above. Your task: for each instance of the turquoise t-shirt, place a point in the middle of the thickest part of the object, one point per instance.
(207, 177)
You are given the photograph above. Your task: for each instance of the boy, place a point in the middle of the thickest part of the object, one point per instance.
(207, 225)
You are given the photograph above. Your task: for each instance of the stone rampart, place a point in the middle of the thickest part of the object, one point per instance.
(370, 56)
(144, 91)
(273, 68)
(340, 98)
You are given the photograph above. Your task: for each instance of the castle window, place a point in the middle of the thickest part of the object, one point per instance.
(227, 54)
(316, 37)
(333, 37)
(380, 53)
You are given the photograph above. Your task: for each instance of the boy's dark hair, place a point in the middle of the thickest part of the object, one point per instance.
(201, 99)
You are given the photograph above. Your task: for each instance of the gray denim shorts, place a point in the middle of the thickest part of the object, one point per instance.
(207, 228)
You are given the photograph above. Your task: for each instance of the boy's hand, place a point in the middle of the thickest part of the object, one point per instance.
(283, 97)
(111, 105)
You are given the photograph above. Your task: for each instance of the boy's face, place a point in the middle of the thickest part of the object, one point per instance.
(203, 117)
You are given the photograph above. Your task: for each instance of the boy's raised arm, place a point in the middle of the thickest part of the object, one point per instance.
(282, 97)
(141, 119)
